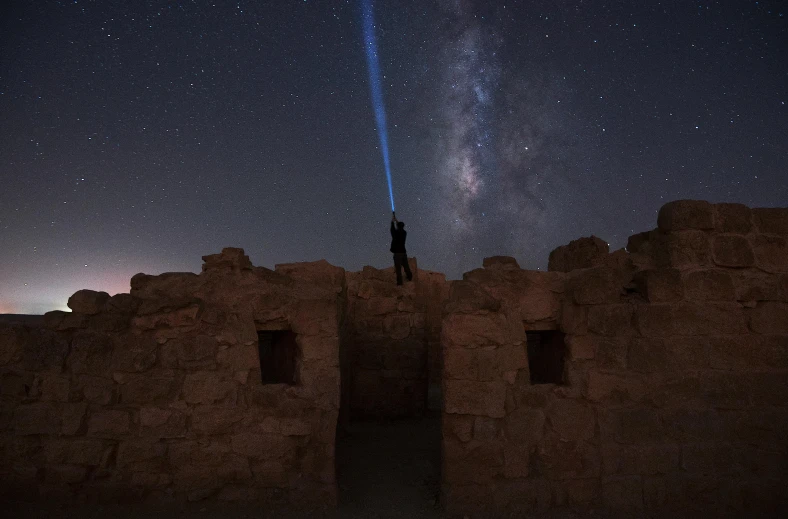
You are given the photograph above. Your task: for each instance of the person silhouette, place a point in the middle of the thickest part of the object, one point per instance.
(398, 236)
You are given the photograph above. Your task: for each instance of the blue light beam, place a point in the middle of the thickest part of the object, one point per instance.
(373, 68)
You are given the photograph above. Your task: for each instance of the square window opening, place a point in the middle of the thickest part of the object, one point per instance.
(546, 356)
(278, 355)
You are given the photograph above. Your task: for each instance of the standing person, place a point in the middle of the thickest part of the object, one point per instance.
(398, 236)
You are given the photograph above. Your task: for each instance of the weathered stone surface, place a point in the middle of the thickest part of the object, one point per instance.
(162, 423)
(682, 249)
(611, 320)
(578, 254)
(732, 251)
(754, 285)
(709, 318)
(732, 218)
(205, 387)
(682, 215)
(660, 285)
(501, 262)
(709, 285)
(639, 459)
(595, 286)
(38, 418)
(630, 426)
(87, 301)
(76, 452)
(615, 389)
(582, 347)
(108, 424)
(72, 418)
(144, 389)
(769, 318)
(134, 353)
(91, 353)
(571, 419)
(771, 220)
(467, 298)
(475, 398)
(611, 353)
(623, 493)
(771, 252)
(230, 258)
(473, 331)
(240, 357)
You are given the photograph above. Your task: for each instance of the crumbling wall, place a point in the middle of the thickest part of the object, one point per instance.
(675, 381)
(158, 393)
(391, 329)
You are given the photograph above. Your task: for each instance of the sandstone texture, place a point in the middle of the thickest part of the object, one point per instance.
(647, 382)
(675, 370)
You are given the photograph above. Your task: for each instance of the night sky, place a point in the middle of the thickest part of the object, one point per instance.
(139, 136)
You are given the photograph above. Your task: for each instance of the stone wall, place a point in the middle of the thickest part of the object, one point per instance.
(393, 338)
(673, 400)
(158, 393)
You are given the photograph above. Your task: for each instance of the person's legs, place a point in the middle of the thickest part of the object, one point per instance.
(398, 267)
(407, 267)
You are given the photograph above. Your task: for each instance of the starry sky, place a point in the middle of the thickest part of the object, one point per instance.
(139, 136)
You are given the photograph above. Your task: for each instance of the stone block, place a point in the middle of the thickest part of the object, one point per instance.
(574, 319)
(766, 389)
(517, 459)
(396, 327)
(660, 285)
(525, 426)
(231, 258)
(611, 353)
(697, 425)
(206, 387)
(725, 390)
(614, 390)
(754, 285)
(682, 249)
(474, 398)
(709, 285)
(582, 347)
(473, 331)
(611, 320)
(37, 418)
(144, 389)
(91, 353)
(771, 252)
(75, 452)
(240, 357)
(65, 474)
(458, 426)
(108, 424)
(215, 420)
(500, 263)
(647, 355)
(466, 297)
(623, 493)
(771, 220)
(486, 429)
(134, 353)
(571, 420)
(522, 498)
(732, 218)
(594, 286)
(472, 462)
(53, 387)
(708, 318)
(136, 451)
(560, 459)
(578, 254)
(96, 390)
(624, 460)
(769, 317)
(72, 416)
(316, 348)
(709, 458)
(732, 250)
(162, 423)
(87, 302)
(681, 215)
(263, 446)
(631, 426)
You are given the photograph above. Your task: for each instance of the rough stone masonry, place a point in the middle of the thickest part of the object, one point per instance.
(651, 381)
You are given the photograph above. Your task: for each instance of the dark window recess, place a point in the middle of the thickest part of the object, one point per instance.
(546, 356)
(277, 357)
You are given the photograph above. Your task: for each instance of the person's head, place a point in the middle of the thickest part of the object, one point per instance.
(400, 225)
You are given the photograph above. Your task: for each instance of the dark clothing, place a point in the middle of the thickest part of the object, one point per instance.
(400, 262)
(398, 240)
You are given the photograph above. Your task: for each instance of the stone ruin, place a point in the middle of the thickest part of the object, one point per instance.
(647, 381)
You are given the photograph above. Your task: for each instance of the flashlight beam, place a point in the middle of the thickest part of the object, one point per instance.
(375, 88)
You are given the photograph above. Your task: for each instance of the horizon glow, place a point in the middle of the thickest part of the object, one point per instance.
(376, 90)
